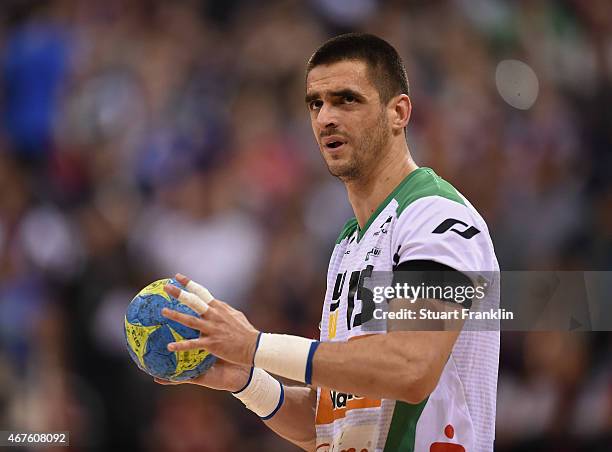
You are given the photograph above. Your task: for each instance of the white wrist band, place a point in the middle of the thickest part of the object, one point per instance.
(263, 394)
(285, 355)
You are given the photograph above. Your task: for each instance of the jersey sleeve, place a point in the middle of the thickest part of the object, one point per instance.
(442, 230)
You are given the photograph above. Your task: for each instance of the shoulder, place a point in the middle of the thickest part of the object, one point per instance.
(427, 198)
(347, 230)
(424, 183)
(436, 222)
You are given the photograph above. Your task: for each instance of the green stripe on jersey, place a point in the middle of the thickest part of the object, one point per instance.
(424, 183)
(348, 228)
(402, 431)
(420, 183)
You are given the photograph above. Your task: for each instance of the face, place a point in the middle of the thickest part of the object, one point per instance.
(349, 122)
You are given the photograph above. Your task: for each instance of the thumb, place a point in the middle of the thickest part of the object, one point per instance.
(161, 381)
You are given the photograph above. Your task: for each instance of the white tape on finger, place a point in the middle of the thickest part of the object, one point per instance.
(193, 301)
(200, 291)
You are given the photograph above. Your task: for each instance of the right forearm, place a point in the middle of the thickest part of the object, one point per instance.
(295, 420)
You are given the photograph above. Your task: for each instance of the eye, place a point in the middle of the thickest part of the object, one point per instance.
(315, 104)
(349, 99)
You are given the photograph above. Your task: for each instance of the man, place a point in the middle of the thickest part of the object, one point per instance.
(373, 387)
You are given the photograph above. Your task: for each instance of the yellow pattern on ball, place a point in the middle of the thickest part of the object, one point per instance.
(189, 359)
(137, 336)
(156, 288)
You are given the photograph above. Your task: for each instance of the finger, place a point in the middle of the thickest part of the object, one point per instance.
(161, 381)
(184, 280)
(188, 298)
(195, 288)
(200, 291)
(190, 344)
(185, 319)
(216, 304)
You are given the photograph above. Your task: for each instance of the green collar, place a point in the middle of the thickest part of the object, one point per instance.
(388, 199)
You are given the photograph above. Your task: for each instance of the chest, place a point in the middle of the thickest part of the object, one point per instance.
(357, 262)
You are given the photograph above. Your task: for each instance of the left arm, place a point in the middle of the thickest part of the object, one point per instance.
(401, 365)
(413, 352)
(414, 359)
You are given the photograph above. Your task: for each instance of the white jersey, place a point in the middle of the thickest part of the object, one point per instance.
(424, 218)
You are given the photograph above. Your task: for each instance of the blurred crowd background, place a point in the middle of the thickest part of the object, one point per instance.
(143, 138)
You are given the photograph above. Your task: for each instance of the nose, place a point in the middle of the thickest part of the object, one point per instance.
(326, 118)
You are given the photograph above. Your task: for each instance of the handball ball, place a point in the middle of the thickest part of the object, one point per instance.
(148, 333)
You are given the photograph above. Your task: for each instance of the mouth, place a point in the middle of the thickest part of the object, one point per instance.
(333, 143)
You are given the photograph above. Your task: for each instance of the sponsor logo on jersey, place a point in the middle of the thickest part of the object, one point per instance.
(335, 405)
(448, 224)
(384, 228)
(439, 446)
(339, 399)
(373, 252)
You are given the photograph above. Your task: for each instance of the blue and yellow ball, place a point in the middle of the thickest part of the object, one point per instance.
(148, 332)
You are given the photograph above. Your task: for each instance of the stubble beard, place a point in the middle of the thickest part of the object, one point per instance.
(367, 151)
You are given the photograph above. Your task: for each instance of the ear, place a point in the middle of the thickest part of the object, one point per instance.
(402, 107)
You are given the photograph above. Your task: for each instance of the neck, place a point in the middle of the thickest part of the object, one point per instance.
(369, 191)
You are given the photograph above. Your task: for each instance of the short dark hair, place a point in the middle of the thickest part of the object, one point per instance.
(385, 67)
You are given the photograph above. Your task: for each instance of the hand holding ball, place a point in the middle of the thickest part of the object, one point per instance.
(148, 334)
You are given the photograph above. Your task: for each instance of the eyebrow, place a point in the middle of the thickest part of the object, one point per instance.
(339, 93)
